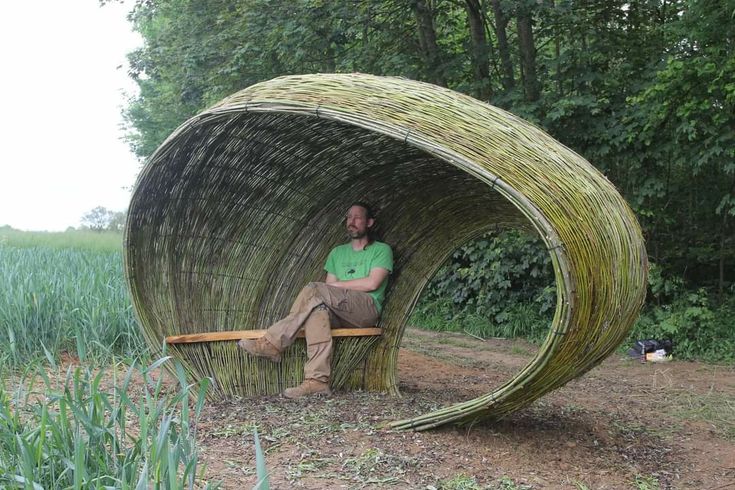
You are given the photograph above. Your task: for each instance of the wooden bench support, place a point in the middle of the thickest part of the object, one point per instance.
(255, 334)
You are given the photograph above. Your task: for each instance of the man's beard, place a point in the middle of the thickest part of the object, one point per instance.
(356, 234)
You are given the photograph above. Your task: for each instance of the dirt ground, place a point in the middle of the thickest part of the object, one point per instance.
(623, 425)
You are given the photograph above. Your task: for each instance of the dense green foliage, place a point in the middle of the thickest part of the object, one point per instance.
(500, 285)
(644, 89)
(701, 325)
(79, 434)
(64, 300)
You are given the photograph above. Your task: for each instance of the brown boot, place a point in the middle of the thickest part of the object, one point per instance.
(307, 388)
(261, 348)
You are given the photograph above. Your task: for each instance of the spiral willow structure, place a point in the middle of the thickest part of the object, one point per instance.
(239, 207)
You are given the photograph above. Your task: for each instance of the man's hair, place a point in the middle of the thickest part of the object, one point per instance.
(370, 213)
(367, 207)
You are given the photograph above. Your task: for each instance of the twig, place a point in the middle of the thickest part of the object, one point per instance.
(473, 335)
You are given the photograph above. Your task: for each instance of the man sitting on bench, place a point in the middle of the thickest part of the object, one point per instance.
(351, 296)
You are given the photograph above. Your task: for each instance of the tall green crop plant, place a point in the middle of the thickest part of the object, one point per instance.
(79, 435)
(57, 300)
(261, 470)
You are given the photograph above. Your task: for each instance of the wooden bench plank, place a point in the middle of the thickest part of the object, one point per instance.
(254, 334)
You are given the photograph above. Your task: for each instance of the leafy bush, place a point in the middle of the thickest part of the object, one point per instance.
(699, 327)
(500, 285)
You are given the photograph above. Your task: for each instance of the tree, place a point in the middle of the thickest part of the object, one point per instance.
(117, 221)
(642, 88)
(684, 123)
(102, 219)
(427, 41)
(527, 47)
(500, 26)
(479, 51)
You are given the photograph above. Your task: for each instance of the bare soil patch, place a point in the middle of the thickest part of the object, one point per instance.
(623, 425)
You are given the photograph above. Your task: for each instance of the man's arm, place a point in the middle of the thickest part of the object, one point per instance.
(365, 284)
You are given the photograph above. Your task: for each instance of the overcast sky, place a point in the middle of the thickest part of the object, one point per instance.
(62, 92)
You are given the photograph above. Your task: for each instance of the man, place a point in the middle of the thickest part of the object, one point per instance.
(351, 296)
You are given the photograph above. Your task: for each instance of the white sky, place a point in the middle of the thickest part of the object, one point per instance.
(61, 152)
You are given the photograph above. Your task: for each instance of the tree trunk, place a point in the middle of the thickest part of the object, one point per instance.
(528, 55)
(480, 61)
(557, 53)
(501, 22)
(427, 42)
(723, 248)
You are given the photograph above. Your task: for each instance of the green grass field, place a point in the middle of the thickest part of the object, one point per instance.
(105, 241)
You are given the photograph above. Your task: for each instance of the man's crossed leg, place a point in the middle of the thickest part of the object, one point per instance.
(318, 308)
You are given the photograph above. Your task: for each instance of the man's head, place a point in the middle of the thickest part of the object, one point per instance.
(359, 220)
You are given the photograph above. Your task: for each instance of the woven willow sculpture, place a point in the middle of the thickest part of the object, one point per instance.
(238, 208)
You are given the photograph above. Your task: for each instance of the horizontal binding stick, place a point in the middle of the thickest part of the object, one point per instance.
(255, 334)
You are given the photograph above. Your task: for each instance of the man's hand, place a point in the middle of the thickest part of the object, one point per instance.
(364, 284)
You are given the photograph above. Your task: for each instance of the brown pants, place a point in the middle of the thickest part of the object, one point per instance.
(318, 308)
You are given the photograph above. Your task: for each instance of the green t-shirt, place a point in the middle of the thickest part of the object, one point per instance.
(345, 264)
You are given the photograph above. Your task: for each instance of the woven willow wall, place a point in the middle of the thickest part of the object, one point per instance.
(238, 209)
